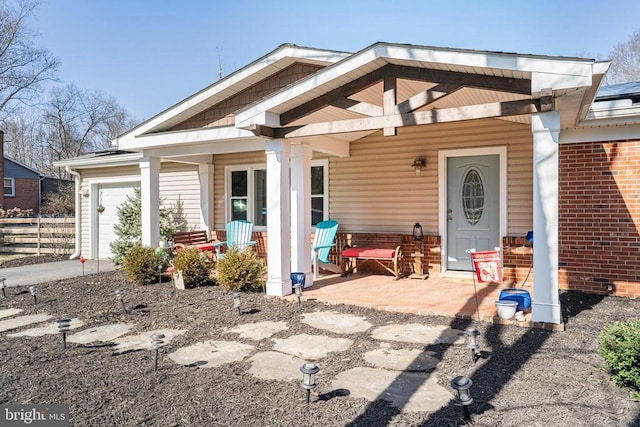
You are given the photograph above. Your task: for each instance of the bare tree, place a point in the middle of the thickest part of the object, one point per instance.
(625, 56)
(23, 66)
(75, 122)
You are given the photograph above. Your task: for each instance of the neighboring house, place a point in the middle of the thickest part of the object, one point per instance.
(511, 143)
(25, 187)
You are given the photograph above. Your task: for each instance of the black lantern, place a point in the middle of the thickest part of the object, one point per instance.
(461, 385)
(309, 371)
(417, 232)
(236, 302)
(472, 342)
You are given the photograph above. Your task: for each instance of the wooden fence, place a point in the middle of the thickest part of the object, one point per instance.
(37, 235)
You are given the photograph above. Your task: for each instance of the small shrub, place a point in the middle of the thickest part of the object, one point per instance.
(619, 345)
(140, 264)
(195, 267)
(241, 270)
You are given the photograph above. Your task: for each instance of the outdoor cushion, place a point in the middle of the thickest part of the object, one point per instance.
(369, 253)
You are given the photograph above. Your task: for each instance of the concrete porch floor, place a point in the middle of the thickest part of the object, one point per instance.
(448, 295)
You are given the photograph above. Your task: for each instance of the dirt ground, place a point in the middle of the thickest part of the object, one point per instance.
(525, 377)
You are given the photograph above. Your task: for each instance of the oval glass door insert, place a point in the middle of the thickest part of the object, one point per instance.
(473, 196)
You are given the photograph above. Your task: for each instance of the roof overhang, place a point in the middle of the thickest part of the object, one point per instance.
(87, 162)
(279, 59)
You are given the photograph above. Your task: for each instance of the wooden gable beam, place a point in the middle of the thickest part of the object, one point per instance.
(389, 100)
(336, 94)
(426, 97)
(363, 108)
(503, 84)
(472, 112)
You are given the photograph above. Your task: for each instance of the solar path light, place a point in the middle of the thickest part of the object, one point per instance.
(309, 371)
(236, 302)
(461, 385)
(33, 289)
(157, 340)
(298, 291)
(472, 342)
(64, 325)
(3, 287)
(120, 297)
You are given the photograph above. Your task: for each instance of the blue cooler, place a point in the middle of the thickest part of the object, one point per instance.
(520, 296)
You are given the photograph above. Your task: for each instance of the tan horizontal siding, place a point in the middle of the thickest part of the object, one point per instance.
(181, 182)
(376, 189)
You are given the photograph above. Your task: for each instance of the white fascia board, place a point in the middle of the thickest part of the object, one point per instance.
(96, 162)
(165, 139)
(556, 73)
(603, 133)
(308, 55)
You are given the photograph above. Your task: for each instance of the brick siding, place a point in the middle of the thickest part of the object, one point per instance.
(27, 193)
(599, 212)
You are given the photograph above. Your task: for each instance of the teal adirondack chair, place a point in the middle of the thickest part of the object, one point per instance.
(322, 244)
(238, 235)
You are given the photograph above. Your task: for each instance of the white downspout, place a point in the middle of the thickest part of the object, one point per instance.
(77, 178)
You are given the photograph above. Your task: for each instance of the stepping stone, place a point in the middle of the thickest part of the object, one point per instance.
(142, 341)
(311, 347)
(10, 312)
(421, 334)
(106, 333)
(17, 322)
(210, 354)
(407, 391)
(402, 360)
(258, 331)
(49, 329)
(271, 365)
(336, 322)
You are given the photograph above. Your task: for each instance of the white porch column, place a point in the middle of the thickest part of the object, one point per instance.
(205, 174)
(301, 211)
(278, 218)
(546, 300)
(150, 200)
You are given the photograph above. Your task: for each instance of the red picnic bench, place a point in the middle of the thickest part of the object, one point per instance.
(378, 255)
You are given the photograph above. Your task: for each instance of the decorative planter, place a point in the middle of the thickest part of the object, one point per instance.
(506, 309)
(521, 296)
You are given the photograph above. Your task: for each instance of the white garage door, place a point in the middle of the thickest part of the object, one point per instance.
(113, 195)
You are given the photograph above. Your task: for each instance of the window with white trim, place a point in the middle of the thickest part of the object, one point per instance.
(247, 193)
(9, 187)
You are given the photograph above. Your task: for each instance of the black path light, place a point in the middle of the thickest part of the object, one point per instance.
(64, 325)
(461, 385)
(120, 297)
(157, 340)
(3, 287)
(309, 371)
(472, 342)
(297, 288)
(236, 302)
(33, 289)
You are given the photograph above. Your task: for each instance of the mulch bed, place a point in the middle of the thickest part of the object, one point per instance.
(526, 377)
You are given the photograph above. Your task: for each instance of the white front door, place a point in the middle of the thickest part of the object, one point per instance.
(473, 207)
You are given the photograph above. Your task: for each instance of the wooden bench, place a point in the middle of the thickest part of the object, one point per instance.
(192, 239)
(378, 255)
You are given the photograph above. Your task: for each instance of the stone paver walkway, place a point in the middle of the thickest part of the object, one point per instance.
(400, 376)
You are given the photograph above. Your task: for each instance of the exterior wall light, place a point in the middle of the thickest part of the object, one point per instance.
(418, 164)
(309, 371)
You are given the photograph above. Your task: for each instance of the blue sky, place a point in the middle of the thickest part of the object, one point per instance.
(150, 54)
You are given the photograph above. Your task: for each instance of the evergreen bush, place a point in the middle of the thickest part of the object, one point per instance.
(241, 270)
(195, 267)
(619, 345)
(140, 264)
(129, 226)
